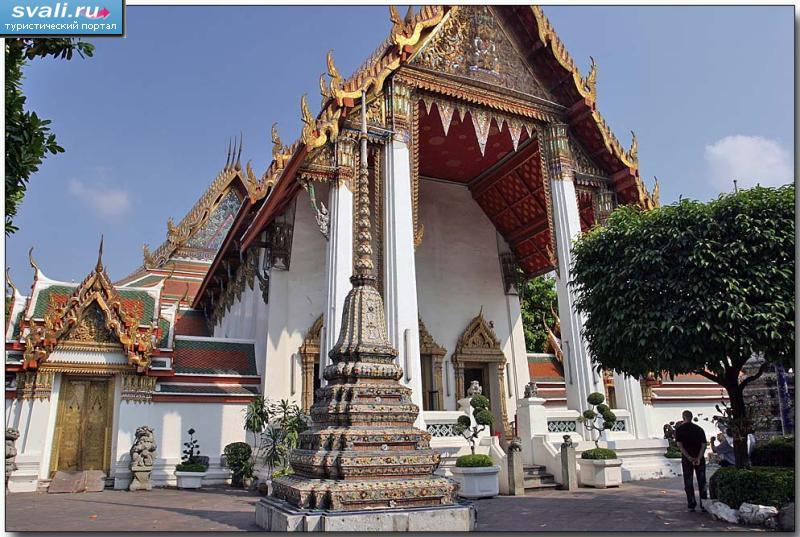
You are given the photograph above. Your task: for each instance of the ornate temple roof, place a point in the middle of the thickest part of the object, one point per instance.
(185, 255)
(573, 93)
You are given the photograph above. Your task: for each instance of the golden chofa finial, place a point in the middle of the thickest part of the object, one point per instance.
(99, 266)
(394, 16)
(633, 152)
(308, 120)
(10, 283)
(409, 15)
(656, 195)
(228, 158)
(591, 80)
(277, 145)
(238, 164)
(35, 267)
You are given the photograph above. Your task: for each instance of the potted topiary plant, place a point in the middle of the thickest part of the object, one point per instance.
(192, 470)
(237, 456)
(600, 467)
(476, 473)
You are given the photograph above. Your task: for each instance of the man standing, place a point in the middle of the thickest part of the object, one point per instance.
(691, 440)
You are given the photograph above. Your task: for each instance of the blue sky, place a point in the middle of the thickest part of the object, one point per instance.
(146, 122)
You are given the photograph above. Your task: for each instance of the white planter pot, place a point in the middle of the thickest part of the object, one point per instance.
(477, 482)
(601, 473)
(190, 480)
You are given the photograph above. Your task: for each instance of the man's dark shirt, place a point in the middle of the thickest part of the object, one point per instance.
(692, 437)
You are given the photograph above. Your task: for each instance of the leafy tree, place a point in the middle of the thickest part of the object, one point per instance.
(693, 288)
(28, 137)
(598, 417)
(483, 419)
(538, 300)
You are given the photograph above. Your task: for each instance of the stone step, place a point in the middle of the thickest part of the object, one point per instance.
(539, 482)
(534, 471)
(541, 487)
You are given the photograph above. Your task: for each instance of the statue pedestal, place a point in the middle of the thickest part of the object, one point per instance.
(273, 514)
(141, 478)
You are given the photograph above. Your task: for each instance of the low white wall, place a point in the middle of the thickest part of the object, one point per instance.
(215, 425)
(663, 412)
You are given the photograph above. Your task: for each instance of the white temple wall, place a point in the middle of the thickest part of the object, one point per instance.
(664, 412)
(215, 425)
(458, 273)
(297, 298)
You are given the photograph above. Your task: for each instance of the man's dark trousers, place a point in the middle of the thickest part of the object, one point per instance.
(689, 470)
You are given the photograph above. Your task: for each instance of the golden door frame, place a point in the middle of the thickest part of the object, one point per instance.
(309, 354)
(429, 347)
(108, 378)
(479, 346)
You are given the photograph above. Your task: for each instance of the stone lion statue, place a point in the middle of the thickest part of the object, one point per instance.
(144, 447)
(11, 451)
(474, 389)
(142, 458)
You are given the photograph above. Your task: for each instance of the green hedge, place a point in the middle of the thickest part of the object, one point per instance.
(191, 467)
(474, 461)
(599, 454)
(673, 452)
(777, 452)
(760, 485)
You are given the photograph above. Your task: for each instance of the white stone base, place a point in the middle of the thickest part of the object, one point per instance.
(26, 477)
(277, 515)
(644, 459)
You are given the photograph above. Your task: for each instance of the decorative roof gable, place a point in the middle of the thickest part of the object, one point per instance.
(470, 42)
(94, 316)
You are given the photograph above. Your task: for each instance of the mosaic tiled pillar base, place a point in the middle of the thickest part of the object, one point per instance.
(363, 451)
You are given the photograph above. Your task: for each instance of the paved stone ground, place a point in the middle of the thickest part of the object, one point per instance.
(642, 506)
(657, 505)
(162, 509)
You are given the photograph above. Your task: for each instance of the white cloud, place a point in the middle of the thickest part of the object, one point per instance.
(105, 201)
(750, 160)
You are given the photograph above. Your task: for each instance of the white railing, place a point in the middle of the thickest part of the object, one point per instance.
(441, 423)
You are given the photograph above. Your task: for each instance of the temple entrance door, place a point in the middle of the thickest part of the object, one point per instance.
(82, 439)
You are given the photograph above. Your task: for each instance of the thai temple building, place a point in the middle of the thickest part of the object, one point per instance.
(487, 156)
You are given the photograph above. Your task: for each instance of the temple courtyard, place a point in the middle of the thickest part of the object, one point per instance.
(657, 505)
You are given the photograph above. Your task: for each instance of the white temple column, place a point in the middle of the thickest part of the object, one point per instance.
(400, 282)
(339, 257)
(629, 396)
(579, 376)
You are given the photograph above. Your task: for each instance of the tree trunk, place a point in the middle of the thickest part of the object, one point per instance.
(739, 426)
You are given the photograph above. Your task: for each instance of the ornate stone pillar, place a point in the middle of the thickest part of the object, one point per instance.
(400, 267)
(339, 258)
(579, 376)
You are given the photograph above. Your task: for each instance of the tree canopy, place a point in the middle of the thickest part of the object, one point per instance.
(28, 137)
(692, 288)
(538, 300)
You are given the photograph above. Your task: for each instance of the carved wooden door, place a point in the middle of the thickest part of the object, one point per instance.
(83, 433)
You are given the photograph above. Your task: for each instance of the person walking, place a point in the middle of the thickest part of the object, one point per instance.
(691, 440)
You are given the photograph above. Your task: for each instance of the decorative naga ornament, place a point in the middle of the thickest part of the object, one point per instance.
(362, 451)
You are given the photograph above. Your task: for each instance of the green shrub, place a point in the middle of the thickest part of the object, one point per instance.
(474, 461)
(484, 417)
(238, 456)
(190, 467)
(595, 398)
(673, 452)
(599, 454)
(282, 472)
(760, 485)
(479, 402)
(777, 452)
